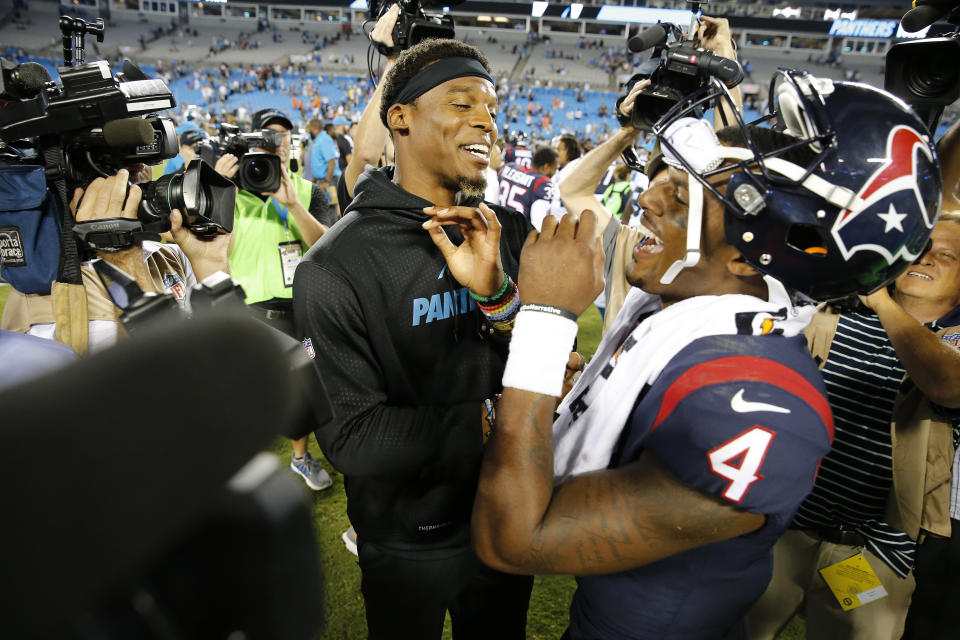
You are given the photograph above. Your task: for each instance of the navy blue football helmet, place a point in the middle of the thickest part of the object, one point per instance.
(518, 138)
(850, 217)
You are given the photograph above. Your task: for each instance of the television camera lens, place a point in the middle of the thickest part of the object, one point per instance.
(260, 172)
(933, 79)
(204, 198)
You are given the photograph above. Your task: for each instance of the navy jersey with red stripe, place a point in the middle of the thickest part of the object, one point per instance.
(520, 156)
(520, 188)
(741, 418)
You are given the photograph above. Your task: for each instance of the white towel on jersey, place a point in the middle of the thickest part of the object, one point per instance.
(594, 413)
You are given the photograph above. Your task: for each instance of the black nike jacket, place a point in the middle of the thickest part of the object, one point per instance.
(407, 359)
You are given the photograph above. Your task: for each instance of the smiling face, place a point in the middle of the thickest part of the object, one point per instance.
(935, 276)
(720, 269)
(443, 139)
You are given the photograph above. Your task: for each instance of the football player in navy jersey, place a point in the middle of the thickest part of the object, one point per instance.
(682, 452)
(530, 191)
(517, 150)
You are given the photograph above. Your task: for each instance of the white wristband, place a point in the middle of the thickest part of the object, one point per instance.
(539, 350)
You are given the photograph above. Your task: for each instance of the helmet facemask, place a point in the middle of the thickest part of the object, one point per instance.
(784, 204)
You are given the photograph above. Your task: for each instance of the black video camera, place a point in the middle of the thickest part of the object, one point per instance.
(93, 124)
(675, 70)
(97, 122)
(414, 24)
(926, 73)
(259, 171)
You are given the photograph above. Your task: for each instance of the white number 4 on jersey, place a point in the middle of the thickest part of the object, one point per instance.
(751, 446)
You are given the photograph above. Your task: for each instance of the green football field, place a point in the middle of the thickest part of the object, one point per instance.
(343, 603)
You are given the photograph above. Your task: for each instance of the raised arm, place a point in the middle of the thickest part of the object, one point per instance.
(371, 134)
(948, 149)
(599, 522)
(932, 364)
(714, 35)
(577, 189)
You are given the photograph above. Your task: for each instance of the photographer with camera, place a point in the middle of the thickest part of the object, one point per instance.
(413, 396)
(173, 268)
(271, 232)
(577, 189)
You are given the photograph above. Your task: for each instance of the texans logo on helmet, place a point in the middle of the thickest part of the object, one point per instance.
(888, 200)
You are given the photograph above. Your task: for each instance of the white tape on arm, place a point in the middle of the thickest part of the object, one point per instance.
(539, 350)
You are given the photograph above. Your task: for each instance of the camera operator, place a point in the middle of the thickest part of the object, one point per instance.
(288, 220)
(577, 188)
(413, 394)
(270, 234)
(173, 268)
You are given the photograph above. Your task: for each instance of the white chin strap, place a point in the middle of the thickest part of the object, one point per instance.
(694, 140)
(694, 227)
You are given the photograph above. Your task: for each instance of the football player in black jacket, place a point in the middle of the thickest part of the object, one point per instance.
(412, 358)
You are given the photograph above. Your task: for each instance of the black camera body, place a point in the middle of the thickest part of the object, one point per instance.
(99, 122)
(414, 24)
(674, 70)
(204, 198)
(259, 171)
(926, 73)
(92, 124)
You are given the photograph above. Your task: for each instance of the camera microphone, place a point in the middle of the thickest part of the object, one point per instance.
(23, 80)
(129, 132)
(649, 37)
(31, 77)
(925, 13)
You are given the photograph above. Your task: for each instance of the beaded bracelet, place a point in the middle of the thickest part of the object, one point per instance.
(501, 309)
(492, 300)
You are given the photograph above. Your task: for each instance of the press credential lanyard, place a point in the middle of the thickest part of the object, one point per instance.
(291, 251)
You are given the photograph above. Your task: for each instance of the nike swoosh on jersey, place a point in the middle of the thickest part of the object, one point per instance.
(738, 404)
(441, 272)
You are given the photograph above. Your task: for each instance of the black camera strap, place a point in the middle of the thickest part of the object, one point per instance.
(68, 270)
(112, 234)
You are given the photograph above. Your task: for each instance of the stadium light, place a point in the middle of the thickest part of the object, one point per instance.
(644, 15)
(838, 14)
(787, 12)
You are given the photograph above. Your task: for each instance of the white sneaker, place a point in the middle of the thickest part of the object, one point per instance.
(349, 538)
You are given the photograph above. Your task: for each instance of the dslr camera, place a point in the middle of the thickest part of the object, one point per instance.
(94, 123)
(675, 70)
(414, 23)
(259, 171)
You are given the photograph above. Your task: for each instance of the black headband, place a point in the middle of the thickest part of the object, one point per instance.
(437, 73)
